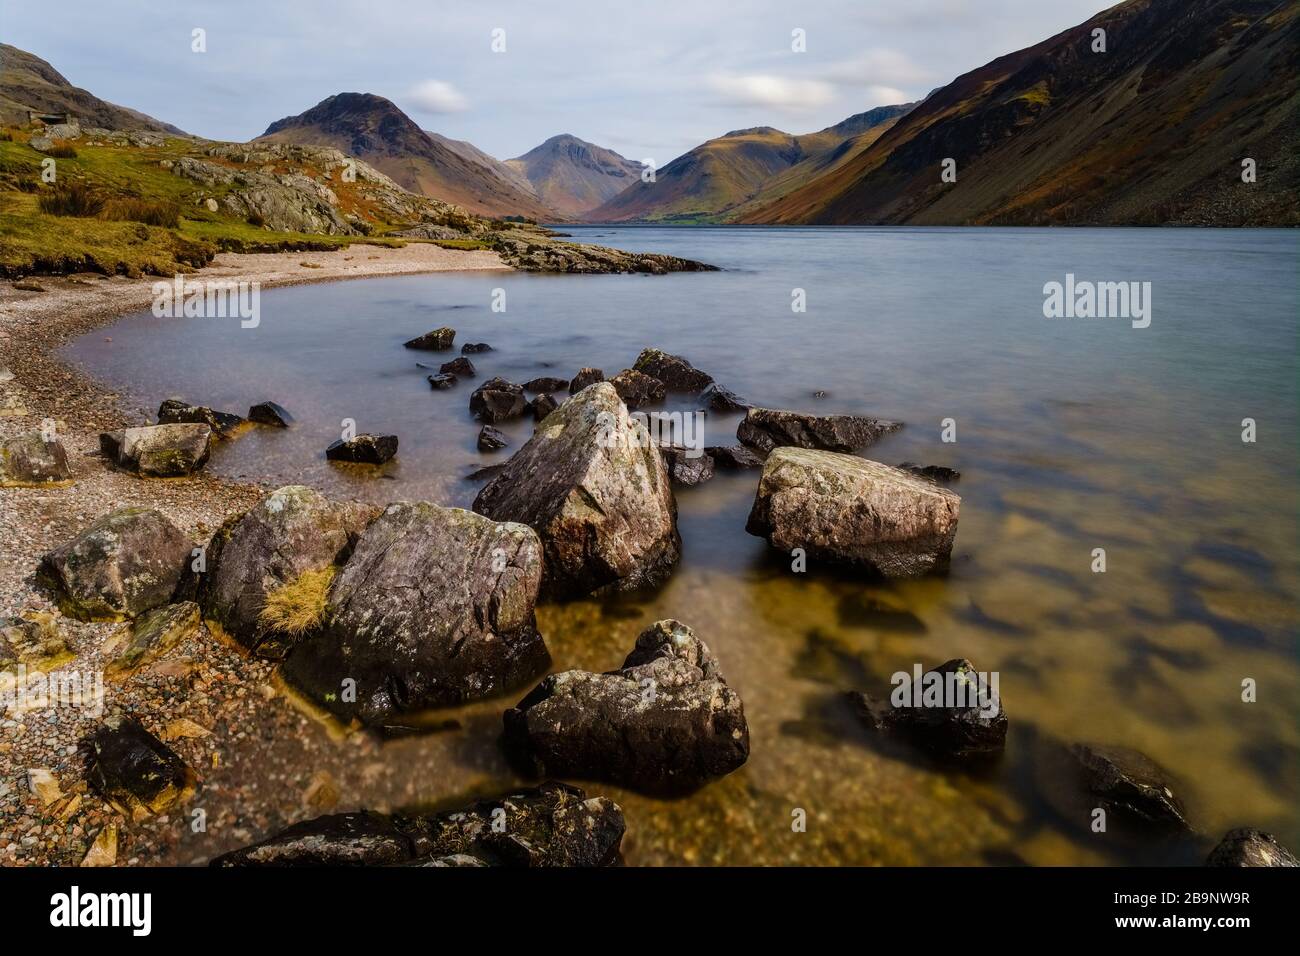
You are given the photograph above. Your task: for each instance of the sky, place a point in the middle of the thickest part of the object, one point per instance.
(648, 80)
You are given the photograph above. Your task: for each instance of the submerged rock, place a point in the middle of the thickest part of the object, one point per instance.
(849, 510)
(666, 722)
(491, 439)
(766, 428)
(473, 348)
(433, 608)
(637, 389)
(940, 473)
(461, 367)
(685, 466)
(27, 460)
(153, 634)
(719, 399)
(551, 825)
(586, 376)
(1129, 784)
(176, 411)
(135, 771)
(442, 381)
(364, 449)
(733, 457)
(497, 400)
(1250, 847)
(439, 340)
(128, 562)
(596, 491)
(269, 413)
(546, 383)
(674, 371)
(159, 451)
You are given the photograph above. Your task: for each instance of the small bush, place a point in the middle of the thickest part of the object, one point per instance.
(72, 199)
(6, 136)
(255, 219)
(149, 212)
(61, 151)
(299, 605)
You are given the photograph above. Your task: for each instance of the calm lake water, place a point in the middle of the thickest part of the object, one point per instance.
(1072, 434)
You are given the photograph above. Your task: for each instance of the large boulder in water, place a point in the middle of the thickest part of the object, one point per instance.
(434, 608)
(596, 490)
(292, 532)
(159, 451)
(29, 460)
(1130, 784)
(1250, 847)
(552, 825)
(848, 510)
(363, 449)
(674, 371)
(128, 562)
(439, 340)
(497, 400)
(766, 428)
(637, 389)
(666, 722)
(178, 411)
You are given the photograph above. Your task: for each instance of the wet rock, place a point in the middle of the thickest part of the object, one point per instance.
(596, 491)
(135, 771)
(176, 411)
(442, 381)
(939, 473)
(637, 389)
(497, 400)
(548, 826)
(434, 608)
(1129, 784)
(292, 532)
(542, 405)
(674, 371)
(685, 466)
(766, 428)
(719, 399)
(128, 562)
(952, 711)
(34, 641)
(491, 439)
(586, 376)
(438, 340)
(153, 634)
(269, 413)
(849, 510)
(1250, 847)
(461, 367)
(159, 451)
(28, 460)
(733, 457)
(473, 348)
(486, 472)
(364, 449)
(666, 722)
(546, 383)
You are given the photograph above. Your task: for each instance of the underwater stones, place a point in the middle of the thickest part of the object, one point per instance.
(666, 722)
(439, 340)
(270, 414)
(127, 562)
(491, 439)
(497, 400)
(460, 367)
(546, 383)
(176, 411)
(849, 510)
(363, 449)
(159, 451)
(596, 492)
(940, 473)
(433, 608)
(674, 371)
(766, 428)
(135, 771)
(30, 460)
(1250, 847)
(586, 376)
(637, 389)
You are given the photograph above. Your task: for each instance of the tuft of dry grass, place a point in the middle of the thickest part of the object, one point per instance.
(149, 212)
(298, 605)
(72, 199)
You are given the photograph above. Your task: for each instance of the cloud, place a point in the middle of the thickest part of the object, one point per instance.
(879, 68)
(435, 96)
(775, 92)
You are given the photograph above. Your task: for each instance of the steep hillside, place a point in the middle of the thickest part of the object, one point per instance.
(573, 176)
(467, 150)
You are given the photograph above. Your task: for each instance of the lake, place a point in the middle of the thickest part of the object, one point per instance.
(1071, 434)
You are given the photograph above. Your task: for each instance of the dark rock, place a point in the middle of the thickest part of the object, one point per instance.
(586, 376)
(666, 722)
(438, 340)
(442, 381)
(1250, 847)
(124, 564)
(497, 400)
(733, 457)
(542, 405)
(486, 472)
(490, 439)
(364, 449)
(29, 460)
(135, 771)
(461, 367)
(269, 413)
(719, 399)
(1130, 785)
(175, 411)
(685, 466)
(159, 451)
(434, 608)
(473, 348)
(963, 719)
(674, 371)
(765, 428)
(637, 389)
(546, 383)
(549, 826)
(940, 473)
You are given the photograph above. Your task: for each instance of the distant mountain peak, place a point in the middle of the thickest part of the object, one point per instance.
(572, 175)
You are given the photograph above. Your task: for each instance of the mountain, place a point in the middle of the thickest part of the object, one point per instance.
(1154, 130)
(375, 131)
(573, 176)
(722, 175)
(467, 150)
(29, 83)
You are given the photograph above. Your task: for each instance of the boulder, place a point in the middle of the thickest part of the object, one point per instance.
(596, 491)
(176, 411)
(292, 532)
(719, 399)
(952, 711)
(1250, 847)
(439, 340)
(939, 473)
(134, 771)
(364, 449)
(473, 348)
(153, 634)
(586, 376)
(685, 466)
(548, 826)
(29, 460)
(766, 428)
(159, 451)
(497, 400)
(269, 413)
(637, 389)
(849, 510)
(546, 383)
(461, 367)
(733, 457)
(674, 371)
(666, 722)
(1130, 785)
(442, 381)
(128, 562)
(542, 405)
(34, 641)
(434, 608)
(491, 439)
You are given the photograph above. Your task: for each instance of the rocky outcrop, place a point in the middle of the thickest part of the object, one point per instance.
(586, 376)
(1250, 847)
(637, 389)
(596, 490)
(271, 414)
(28, 460)
(363, 449)
(848, 510)
(124, 564)
(159, 451)
(497, 400)
(766, 428)
(177, 411)
(553, 825)
(134, 771)
(434, 608)
(666, 722)
(439, 340)
(522, 249)
(674, 371)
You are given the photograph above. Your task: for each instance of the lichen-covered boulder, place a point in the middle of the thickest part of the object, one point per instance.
(766, 428)
(29, 460)
(1250, 847)
(849, 510)
(127, 562)
(291, 532)
(666, 722)
(439, 340)
(135, 771)
(674, 371)
(175, 410)
(552, 825)
(433, 608)
(596, 490)
(159, 451)
(363, 449)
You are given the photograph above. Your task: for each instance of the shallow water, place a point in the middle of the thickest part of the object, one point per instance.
(1072, 434)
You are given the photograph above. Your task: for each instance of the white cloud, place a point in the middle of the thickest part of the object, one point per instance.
(776, 92)
(436, 96)
(880, 68)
